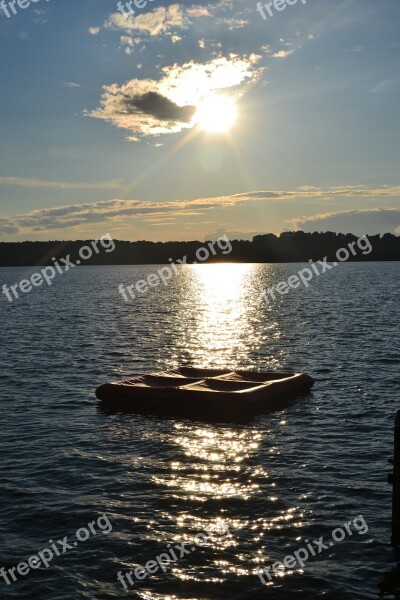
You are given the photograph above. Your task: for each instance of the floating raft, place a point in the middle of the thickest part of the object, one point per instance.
(189, 389)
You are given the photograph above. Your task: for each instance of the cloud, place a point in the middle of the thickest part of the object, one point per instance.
(360, 222)
(317, 193)
(129, 43)
(198, 11)
(267, 49)
(57, 185)
(282, 54)
(352, 191)
(94, 30)
(40, 15)
(71, 84)
(378, 220)
(8, 229)
(233, 24)
(127, 40)
(107, 210)
(383, 86)
(149, 107)
(158, 106)
(117, 210)
(166, 20)
(141, 109)
(158, 21)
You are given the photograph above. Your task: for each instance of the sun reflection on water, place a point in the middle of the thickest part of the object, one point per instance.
(221, 320)
(221, 472)
(215, 475)
(224, 323)
(213, 457)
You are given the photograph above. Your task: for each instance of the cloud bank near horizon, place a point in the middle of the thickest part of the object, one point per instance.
(368, 221)
(117, 211)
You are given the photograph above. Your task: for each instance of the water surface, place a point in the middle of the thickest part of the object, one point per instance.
(277, 480)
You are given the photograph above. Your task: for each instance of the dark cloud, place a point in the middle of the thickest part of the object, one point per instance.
(360, 222)
(8, 229)
(158, 106)
(148, 107)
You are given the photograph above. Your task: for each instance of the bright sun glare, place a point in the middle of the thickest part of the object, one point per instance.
(216, 114)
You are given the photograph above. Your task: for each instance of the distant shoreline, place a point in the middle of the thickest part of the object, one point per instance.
(288, 247)
(210, 262)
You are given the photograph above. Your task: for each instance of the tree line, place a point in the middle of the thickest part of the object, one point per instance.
(268, 248)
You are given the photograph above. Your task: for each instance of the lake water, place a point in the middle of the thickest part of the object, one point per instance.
(276, 481)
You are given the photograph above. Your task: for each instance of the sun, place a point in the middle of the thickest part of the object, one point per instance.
(216, 114)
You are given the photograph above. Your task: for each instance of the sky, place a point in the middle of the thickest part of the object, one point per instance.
(187, 120)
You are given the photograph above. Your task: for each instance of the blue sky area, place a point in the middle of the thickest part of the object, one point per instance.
(185, 120)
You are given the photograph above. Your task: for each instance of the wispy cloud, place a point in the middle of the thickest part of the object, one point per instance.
(383, 86)
(281, 53)
(118, 211)
(232, 23)
(108, 210)
(198, 11)
(161, 20)
(57, 185)
(40, 15)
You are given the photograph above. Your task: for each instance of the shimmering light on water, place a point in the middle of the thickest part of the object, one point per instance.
(223, 325)
(276, 481)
